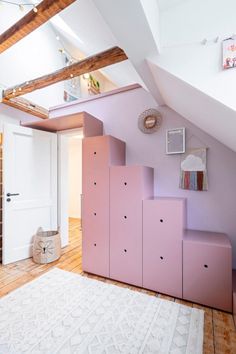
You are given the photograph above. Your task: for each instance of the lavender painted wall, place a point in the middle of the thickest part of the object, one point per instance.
(214, 210)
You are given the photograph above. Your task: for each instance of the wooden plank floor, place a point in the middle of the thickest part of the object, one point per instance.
(219, 330)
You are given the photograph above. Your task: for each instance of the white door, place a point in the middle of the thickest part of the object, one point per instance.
(29, 172)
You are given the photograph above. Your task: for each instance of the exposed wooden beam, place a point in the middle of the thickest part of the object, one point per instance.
(27, 106)
(31, 21)
(92, 63)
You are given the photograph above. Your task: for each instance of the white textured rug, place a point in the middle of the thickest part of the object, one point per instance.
(62, 312)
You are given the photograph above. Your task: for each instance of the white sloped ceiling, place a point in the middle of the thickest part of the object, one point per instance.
(182, 72)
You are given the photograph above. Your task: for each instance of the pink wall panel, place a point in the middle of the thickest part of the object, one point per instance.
(207, 270)
(92, 126)
(148, 182)
(117, 150)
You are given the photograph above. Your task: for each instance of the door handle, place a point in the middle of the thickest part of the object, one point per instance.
(12, 194)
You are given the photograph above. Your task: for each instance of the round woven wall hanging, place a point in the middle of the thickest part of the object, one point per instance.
(149, 121)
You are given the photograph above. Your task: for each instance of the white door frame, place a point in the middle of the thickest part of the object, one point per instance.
(63, 177)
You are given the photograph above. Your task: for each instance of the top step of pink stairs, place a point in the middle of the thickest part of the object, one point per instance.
(132, 237)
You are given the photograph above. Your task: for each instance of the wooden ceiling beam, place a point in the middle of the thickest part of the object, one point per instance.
(31, 21)
(108, 57)
(27, 106)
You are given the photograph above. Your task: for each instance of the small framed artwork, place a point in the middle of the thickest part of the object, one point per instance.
(229, 53)
(175, 141)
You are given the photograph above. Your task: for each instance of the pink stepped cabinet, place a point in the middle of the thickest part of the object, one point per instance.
(132, 237)
(164, 221)
(207, 269)
(234, 296)
(98, 154)
(129, 186)
(90, 125)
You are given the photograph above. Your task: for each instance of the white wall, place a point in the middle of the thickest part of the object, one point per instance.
(129, 24)
(75, 177)
(13, 116)
(189, 74)
(201, 109)
(183, 27)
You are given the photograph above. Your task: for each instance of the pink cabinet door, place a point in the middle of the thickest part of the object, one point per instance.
(234, 296)
(163, 224)
(100, 152)
(128, 186)
(162, 265)
(234, 308)
(126, 243)
(96, 186)
(95, 223)
(207, 274)
(131, 184)
(95, 235)
(165, 217)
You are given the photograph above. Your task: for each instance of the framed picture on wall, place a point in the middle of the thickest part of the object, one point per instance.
(175, 141)
(229, 53)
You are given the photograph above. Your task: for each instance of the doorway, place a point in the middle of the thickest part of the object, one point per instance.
(69, 181)
(74, 179)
